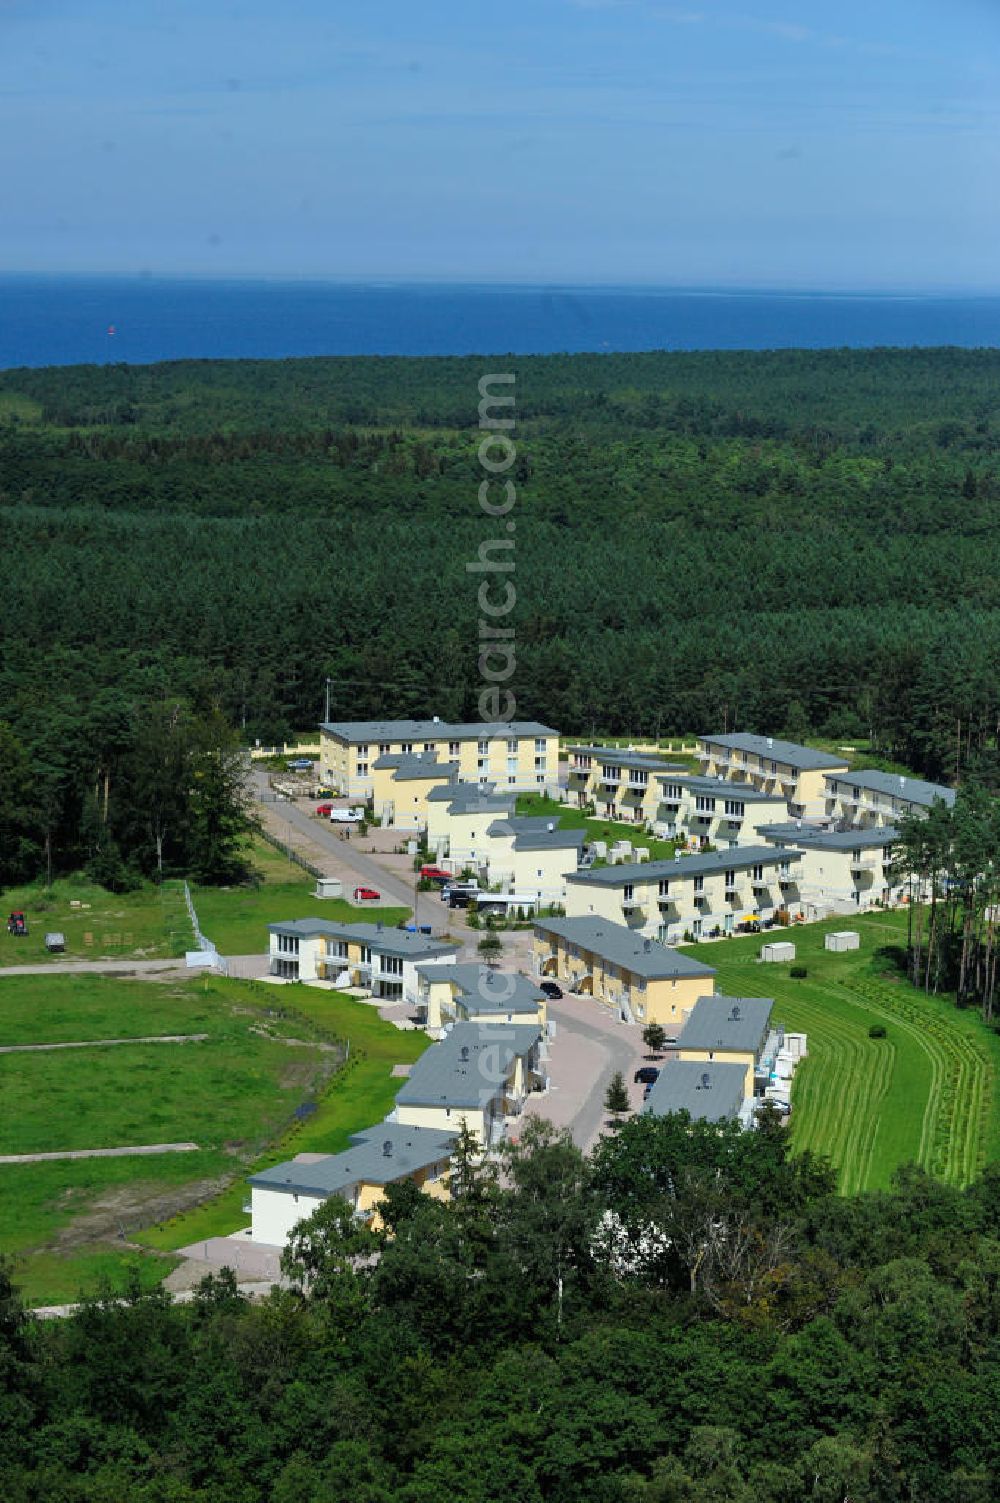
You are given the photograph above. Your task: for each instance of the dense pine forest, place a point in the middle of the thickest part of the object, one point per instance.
(785, 542)
(688, 1317)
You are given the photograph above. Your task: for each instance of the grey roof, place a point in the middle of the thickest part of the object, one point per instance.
(410, 1149)
(384, 940)
(709, 1091)
(726, 788)
(740, 1024)
(913, 790)
(416, 764)
(469, 798)
(537, 833)
(737, 858)
(814, 839)
(616, 756)
(484, 989)
(433, 730)
(621, 946)
(803, 758)
(469, 1066)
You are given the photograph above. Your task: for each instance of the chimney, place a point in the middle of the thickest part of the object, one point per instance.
(706, 1082)
(770, 741)
(387, 1148)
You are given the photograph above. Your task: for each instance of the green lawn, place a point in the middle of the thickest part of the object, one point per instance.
(359, 1096)
(150, 922)
(569, 818)
(236, 1095)
(235, 919)
(927, 1093)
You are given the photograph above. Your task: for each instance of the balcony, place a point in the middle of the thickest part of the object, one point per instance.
(610, 779)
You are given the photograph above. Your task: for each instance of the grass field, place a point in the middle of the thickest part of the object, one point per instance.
(235, 919)
(596, 829)
(234, 1095)
(148, 923)
(360, 1095)
(927, 1093)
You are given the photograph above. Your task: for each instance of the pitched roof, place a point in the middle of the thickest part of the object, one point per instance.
(537, 833)
(469, 1066)
(734, 1024)
(911, 790)
(621, 946)
(483, 989)
(813, 839)
(367, 1160)
(737, 858)
(725, 788)
(709, 1091)
(378, 937)
(803, 758)
(411, 766)
(433, 730)
(616, 756)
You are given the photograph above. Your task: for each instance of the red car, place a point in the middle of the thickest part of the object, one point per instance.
(366, 895)
(435, 871)
(325, 809)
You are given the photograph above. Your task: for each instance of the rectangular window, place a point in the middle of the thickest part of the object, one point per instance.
(758, 873)
(699, 884)
(734, 808)
(628, 892)
(383, 749)
(512, 747)
(428, 746)
(362, 769)
(665, 887)
(484, 747)
(406, 747)
(540, 777)
(454, 748)
(704, 805)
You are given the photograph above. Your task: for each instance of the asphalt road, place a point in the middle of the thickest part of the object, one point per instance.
(590, 1045)
(366, 870)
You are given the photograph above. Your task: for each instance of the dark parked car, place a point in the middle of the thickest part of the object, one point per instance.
(550, 989)
(647, 1075)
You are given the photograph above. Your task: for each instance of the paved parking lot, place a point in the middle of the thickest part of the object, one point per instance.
(589, 1046)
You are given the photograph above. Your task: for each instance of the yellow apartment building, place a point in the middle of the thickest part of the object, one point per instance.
(797, 772)
(402, 785)
(714, 811)
(386, 1154)
(873, 798)
(621, 784)
(381, 959)
(703, 896)
(841, 870)
(639, 978)
(477, 993)
(477, 1077)
(519, 756)
(731, 1030)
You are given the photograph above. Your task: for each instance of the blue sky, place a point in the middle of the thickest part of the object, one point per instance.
(777, 144)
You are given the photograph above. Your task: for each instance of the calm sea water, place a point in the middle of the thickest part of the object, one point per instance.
(65, 321)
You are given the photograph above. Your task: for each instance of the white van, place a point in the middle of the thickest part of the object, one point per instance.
(346, 816)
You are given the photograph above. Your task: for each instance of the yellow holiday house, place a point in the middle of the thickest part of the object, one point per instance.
(383, 1155)
(517, 755)
(639, 978)
(797, 773)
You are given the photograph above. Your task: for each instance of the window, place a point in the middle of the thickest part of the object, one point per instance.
(383, 749)
(699, 884)
(362, 769)
(540, 777)
(512, 777)
(428, 746)
(735, 808)
(704, 805)
(758, 873)
(539, 761)
(454, 748)
(730, 879)
(512, 747)
(664, 887)
(483, 748)
(628, 892)
(696, 927)
(391, 965)
(482, 763)
(363, 751)
(406, 747)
